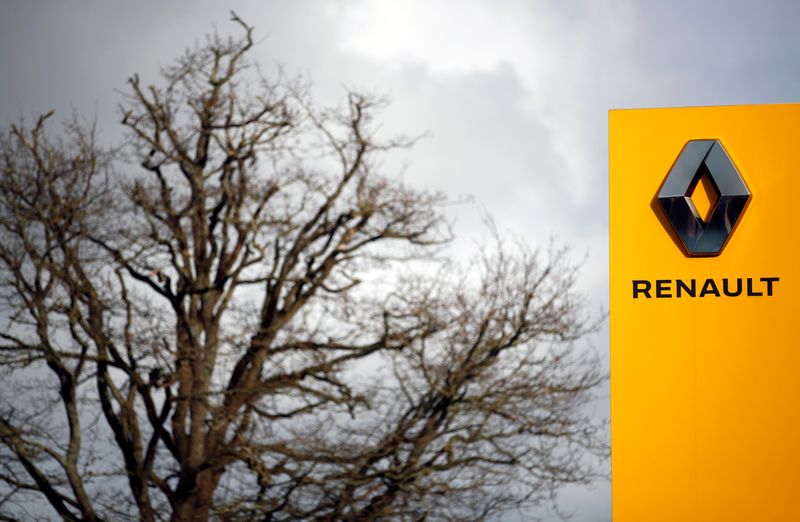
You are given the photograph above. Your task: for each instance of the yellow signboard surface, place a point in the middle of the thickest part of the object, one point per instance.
(705, 387)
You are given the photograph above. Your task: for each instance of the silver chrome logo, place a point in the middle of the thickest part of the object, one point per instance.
(697, 159)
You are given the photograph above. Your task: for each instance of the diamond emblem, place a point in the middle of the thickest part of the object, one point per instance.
(703, 235)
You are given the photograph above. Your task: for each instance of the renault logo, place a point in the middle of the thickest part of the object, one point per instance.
(700, 235)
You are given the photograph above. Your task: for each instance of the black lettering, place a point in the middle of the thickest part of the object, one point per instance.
(641, 287)
(664, 289)
(769, 281)
(750, 291)
(690, 290)
(727, 290)
(709, 287)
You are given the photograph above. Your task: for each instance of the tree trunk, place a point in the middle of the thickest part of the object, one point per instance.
(196, 505)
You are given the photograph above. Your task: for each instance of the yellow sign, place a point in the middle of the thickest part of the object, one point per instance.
(705, 349)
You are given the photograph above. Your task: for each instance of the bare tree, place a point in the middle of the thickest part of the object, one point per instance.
(238, 316)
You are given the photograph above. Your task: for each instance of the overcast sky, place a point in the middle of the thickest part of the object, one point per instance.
(514, 94)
